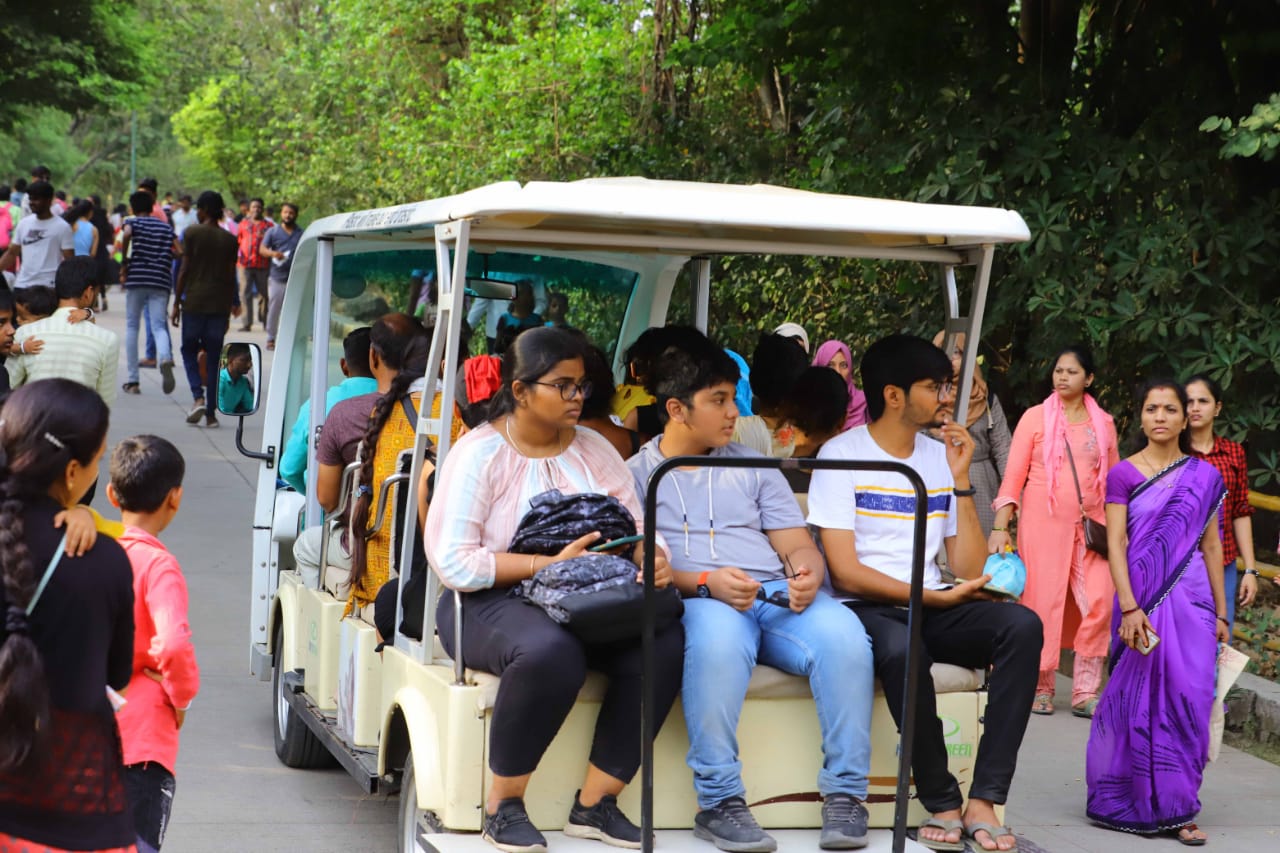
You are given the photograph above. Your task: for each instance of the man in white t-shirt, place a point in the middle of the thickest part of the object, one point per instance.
(866, 520)
(41, 241)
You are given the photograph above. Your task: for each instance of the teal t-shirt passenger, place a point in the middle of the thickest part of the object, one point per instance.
(235, 395)
(293, 462)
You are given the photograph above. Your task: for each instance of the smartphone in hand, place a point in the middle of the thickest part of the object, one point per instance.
(1153, 640)
(613, 545)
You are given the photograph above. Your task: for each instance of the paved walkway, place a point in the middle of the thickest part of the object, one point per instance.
(234, 795)
(1240, 797)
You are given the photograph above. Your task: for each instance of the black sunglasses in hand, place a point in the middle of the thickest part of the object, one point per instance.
(779, 597)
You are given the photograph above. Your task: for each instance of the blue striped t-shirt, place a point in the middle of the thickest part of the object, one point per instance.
(150, 255)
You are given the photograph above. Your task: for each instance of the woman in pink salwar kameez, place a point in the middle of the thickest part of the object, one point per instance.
(1068, 586)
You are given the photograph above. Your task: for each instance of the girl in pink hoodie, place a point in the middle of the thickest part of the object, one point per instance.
(146, 484)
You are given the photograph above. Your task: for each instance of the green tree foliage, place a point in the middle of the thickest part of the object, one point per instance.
(1154, 238)
(70, 55)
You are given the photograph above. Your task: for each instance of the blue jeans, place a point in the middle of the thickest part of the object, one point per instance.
(826, 642)
(1231, 587)
(203, 332)
(151, 337)
(156, 301)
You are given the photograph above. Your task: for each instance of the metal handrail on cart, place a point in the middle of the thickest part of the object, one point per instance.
(915, 612)
(345, 491)
(330, 524)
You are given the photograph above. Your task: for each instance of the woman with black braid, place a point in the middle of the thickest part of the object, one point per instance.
(391, 430)
(67, 633)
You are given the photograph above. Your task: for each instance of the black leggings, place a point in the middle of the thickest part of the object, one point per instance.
(543, 667)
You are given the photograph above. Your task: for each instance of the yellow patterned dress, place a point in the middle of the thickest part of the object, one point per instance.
(397, 436)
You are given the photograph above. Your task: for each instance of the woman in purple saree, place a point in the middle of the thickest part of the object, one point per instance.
(1150, 737)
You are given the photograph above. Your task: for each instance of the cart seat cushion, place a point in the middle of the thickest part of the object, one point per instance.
(766, 682)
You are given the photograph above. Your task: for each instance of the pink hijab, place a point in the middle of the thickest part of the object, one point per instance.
(856, 413)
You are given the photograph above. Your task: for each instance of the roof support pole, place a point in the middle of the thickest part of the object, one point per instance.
(701, 292)
(319, 369)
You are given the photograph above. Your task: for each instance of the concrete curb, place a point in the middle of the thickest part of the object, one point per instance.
(1257, 699)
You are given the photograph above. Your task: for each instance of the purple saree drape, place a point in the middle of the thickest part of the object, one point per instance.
(1150, 736)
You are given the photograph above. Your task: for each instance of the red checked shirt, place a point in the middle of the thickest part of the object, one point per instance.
(1228, 457)
(250, 238)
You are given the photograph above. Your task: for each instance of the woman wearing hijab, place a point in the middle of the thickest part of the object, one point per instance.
(990, 430)
(836, 355)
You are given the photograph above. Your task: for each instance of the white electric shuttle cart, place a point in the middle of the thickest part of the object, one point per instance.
(627, 251)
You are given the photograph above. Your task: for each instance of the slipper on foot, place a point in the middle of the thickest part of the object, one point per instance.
(1043, 704)
(1189, 840)
(945, 826)
(971, 832)
(1085, 709)
(131, 388)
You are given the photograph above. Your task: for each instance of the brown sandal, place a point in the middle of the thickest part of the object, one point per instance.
(1188, 840)
(1043, 705)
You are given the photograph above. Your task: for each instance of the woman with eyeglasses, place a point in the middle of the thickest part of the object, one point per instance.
(1066, 439)
(532, 444)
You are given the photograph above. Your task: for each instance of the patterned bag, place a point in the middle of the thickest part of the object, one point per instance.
(595, 595)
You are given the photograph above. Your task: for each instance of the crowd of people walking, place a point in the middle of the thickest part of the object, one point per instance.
(195, 264)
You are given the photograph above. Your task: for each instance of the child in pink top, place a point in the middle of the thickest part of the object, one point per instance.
(146, 485)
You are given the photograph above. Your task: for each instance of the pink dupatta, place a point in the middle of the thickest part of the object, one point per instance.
(1055, 439)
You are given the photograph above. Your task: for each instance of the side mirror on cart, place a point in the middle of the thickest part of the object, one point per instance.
(240, 389)
(239, 379)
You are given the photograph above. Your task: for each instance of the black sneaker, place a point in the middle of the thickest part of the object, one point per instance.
(844, 823)
(602, 822)
(509, 829)
(167, 382)
(197, 412)
(730, 826)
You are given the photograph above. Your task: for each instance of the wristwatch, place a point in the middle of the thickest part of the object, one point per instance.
(704, 591)
(1253, 572)
(965, 493)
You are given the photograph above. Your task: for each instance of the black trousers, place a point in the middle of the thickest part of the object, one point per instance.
(978, 634)
(543, 666)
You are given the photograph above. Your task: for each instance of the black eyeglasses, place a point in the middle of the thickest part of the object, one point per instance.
(945, 390)
(568, 390)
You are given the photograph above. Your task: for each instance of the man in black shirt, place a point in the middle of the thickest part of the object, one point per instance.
(205, 298)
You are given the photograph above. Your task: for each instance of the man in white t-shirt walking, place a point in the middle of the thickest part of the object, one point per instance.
(41, 241)
(866, 520)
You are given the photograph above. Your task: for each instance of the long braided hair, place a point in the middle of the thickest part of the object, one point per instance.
(43, 427)
(403, 344)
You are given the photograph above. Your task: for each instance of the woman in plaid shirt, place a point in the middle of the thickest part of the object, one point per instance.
(1204, 403)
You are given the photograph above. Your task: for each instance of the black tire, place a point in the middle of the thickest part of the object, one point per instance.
(409, 815)
(296, 746)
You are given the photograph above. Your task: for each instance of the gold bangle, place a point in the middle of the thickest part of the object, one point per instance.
(999, 530)
(532, 559)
